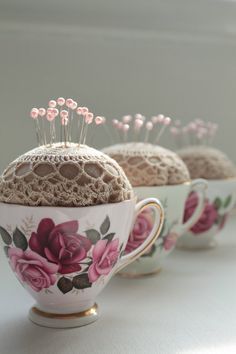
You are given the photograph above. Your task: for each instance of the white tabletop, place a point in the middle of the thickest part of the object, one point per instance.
(190, 307)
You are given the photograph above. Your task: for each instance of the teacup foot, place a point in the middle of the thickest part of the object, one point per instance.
(71, 320)
(130, 275)
(206, 247)
(194, 243)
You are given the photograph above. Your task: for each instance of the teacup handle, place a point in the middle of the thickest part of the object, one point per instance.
(156, 230)
(200, 187)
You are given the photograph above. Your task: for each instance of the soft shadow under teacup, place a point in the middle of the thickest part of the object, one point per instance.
(64, 257)
(173, 198)
(220, 200)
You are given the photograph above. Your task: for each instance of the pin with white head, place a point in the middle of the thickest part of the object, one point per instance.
(165, 122)
(137, 126)
(127, 119)
(149, 127)
(125, 129)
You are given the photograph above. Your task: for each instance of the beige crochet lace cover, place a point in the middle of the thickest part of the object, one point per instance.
(149, 165)
(206, 162)
(59, 176)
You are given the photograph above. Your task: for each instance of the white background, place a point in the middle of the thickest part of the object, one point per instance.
(174, 56)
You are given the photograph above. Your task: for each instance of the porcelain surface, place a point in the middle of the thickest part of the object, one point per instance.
(173, 199)
(64, 257)
(220, 200)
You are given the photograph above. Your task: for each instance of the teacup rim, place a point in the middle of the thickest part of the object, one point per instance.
(132, 200)
(229, 179)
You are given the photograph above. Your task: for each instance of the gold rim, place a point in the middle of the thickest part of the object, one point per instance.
(139, 275)
(232, 179)
(153, 240)
(167, 185)
(90, 312)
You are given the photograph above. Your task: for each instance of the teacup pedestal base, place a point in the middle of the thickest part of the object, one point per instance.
(191, 242)
(142, 267)
(130, 275)
(53, 320)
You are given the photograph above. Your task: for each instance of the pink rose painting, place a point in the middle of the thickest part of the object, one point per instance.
(105, 254)
(54, 251)
(60, 244)
(32, 269)
(208, 217)
(142, 228)
(170, 241)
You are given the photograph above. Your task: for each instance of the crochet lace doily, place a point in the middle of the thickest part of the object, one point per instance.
(206, 162)
(59, 176)
(149, 165)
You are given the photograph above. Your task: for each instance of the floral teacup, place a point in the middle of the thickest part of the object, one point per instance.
(64, 257)
(173, 199)
(219, 202)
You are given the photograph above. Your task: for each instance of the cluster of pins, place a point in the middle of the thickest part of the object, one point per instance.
(196, 132)
(137, 128)
(65, 114)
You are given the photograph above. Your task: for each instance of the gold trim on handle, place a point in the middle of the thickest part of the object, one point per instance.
(153, 240)
(86, 313)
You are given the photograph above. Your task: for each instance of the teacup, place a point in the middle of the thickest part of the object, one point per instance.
(173, 199)
(64, 257)
(220, 200)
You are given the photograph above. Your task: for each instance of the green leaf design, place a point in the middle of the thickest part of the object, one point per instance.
(109, 237)
(6, 249)
(123, 253)
(93, 235)
(19, 239)
(227, 201)
(151, 253)
(121, 246)
(64, 285)
(217, 203)
(105, 226)
(81, 281)
(6, 237)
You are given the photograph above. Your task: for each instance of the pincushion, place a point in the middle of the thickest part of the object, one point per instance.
(207, 162)
(64, 173)
(64, 176)
(149, 165)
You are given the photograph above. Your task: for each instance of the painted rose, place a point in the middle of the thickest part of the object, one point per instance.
(207, 218)
(105, 254)
(60, 244)
(32, 269)
(170, 241)
(142, 228)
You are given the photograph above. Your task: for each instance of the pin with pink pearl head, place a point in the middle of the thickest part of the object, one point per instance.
(88, 120)
(149, 127)
(84, 111)
(64, 110)
(34, 113)
(64, 123)
(165, 122)
(138, 123)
